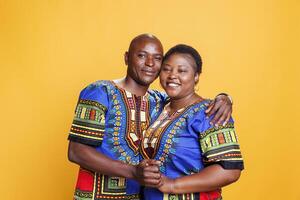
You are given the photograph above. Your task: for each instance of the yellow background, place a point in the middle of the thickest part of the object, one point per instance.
(50, 50)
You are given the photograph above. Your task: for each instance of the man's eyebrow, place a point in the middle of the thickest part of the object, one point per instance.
(156, 54)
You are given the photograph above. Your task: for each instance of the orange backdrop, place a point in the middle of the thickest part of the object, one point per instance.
(50, 50)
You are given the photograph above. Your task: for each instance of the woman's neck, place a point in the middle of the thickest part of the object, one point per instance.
(176, 104)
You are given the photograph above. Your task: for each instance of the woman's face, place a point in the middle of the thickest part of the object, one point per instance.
(178, 76)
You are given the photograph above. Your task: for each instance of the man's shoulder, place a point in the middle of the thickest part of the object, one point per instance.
(99, 84)
(97, 89)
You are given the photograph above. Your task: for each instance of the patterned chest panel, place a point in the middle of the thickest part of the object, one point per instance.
(137, 119)
(127, 120)
(161, 138)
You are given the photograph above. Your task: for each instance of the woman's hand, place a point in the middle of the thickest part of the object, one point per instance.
(167, 185)
(147, 173)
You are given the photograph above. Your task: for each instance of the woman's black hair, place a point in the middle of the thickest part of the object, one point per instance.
(186, 49)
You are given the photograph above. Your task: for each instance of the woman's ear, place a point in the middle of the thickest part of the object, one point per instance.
(196, 78)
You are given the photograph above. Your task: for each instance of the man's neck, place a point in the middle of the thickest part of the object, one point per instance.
(132, 86)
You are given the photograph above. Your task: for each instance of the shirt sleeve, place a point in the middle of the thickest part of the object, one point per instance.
(219, 145)
(89, 120)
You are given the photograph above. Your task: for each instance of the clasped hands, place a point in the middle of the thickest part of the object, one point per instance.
(147, 173)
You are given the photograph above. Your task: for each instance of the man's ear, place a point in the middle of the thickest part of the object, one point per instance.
(126, 57)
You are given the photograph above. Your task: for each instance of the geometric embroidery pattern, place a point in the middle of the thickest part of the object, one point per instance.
(220, 144)
(165, 129)
(191, 196)
(153, 135)
(132, 118)
(137, 119)
(88, 123)
(112, 188)
(213, 195)
(82, 195)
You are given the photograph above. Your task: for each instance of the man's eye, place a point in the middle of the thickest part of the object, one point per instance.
(166, 69)
(141, 55)
(158, 58)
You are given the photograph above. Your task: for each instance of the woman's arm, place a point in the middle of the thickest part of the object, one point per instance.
(210, 178)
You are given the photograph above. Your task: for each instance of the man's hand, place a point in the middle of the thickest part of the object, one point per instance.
(221, 107)
(147, 173)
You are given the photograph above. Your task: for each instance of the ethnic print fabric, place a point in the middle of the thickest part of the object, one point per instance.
(113, 121)
(185, 143)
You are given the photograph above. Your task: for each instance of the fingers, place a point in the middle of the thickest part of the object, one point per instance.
(151, 169)
(214, 109)
(156, 183)
(151, 176)
(217, 116)
(227, 118)
(143, 163)
(221, 109)
(153, 162)
(223, 119)
(209, 107)
(150, 165)
(148, 173)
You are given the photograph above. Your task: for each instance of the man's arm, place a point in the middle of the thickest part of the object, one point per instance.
(87, 157)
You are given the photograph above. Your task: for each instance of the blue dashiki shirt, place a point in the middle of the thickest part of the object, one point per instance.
(112, 120)
(185, 143)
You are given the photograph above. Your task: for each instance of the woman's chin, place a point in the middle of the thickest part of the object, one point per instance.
(172, 95)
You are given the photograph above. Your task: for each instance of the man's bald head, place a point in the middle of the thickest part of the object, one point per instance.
(142, 38)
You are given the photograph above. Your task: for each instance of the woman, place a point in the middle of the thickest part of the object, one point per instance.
(196, 158)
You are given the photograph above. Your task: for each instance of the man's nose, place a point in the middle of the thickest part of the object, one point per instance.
(149, 61)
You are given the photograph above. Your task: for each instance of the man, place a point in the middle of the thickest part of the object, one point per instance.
(110, 119)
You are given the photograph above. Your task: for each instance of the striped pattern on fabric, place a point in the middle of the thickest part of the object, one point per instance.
(89, 123)
(219, 144)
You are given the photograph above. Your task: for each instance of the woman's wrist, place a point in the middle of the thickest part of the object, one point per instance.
(174, 186)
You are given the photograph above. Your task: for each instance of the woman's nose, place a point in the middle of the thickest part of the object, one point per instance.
(172, 74)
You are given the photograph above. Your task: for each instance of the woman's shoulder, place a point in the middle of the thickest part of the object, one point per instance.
(200, 106)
